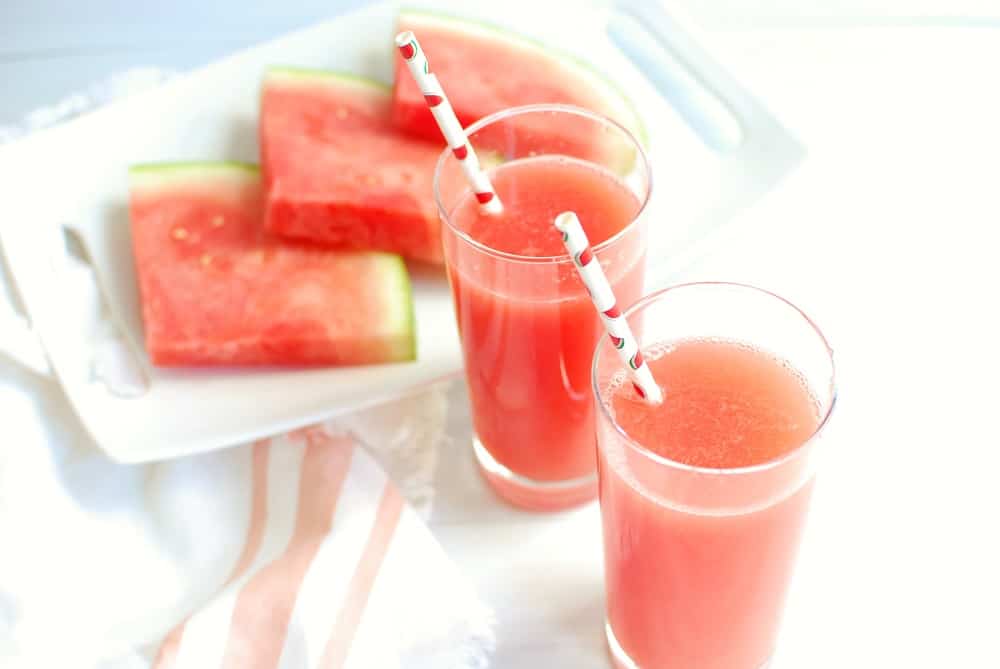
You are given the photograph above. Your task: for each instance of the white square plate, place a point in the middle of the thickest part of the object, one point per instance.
(713, 148)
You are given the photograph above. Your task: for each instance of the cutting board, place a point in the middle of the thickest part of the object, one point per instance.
(714, 149)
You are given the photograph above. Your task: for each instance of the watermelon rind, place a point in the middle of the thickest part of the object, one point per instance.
(188, 166)
(621, 108)
(306, 75)
(402, 323)
(163, 175)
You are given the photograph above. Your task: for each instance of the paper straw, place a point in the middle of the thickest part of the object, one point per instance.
(600, 291)
(452, 130)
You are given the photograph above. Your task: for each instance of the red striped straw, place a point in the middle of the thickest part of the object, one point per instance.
(450, 127)
(597, 284)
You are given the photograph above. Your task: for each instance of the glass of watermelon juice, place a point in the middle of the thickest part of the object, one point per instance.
(527, 324)
(703, 497)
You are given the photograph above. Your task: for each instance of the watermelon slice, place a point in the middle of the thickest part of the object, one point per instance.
(485, 69)
(218, 290)
(336, 170)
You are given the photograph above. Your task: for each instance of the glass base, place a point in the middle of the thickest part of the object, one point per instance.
(530, 494)
(621, 660)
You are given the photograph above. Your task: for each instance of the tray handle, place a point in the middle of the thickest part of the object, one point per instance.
(18, 341)
(661, 48)
(693, 74)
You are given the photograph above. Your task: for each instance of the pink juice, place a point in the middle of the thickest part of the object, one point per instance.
(527, 324)
(700, 583)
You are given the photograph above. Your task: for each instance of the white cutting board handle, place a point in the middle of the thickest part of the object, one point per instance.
(661, 48)
(691, 71)
(17, 338)
(671, 52)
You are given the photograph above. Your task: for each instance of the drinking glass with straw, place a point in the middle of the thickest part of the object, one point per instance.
(716, 479)
(527, 324)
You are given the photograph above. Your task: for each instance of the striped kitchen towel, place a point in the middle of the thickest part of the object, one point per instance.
(295, 552)
(335, 572)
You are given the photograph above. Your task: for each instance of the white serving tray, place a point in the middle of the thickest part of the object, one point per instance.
(713, 147)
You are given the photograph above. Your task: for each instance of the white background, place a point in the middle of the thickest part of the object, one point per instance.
(887, 235)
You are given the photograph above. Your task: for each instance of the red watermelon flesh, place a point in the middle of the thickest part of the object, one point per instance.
(216, 289)
(485, 69)
(338, 173)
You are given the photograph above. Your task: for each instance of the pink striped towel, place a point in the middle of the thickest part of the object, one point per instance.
(330, 548)
(322, 526)
(294, 552)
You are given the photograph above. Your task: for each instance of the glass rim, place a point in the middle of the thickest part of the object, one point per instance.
(767, 465)
(532, 109)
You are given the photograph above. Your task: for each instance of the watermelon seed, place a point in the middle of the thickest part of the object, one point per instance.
(370, 180)
(341, 113)
(218, 222)
(179, 233)
(206, 260)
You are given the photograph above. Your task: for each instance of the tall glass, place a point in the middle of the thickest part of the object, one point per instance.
(527, 324)
(698, 559)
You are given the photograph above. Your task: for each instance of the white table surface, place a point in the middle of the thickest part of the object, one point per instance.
(887, 235)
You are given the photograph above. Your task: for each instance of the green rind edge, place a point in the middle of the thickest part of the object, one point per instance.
(193, 166)
(504, 33)
(401, 284)
(307, 73)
